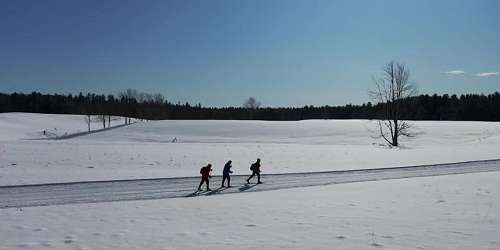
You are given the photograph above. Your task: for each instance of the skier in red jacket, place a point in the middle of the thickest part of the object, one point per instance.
(205, 175)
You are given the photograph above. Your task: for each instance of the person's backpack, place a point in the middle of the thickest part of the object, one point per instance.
(252, 167)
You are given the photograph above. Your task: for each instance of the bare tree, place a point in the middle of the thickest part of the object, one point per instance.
(132, 94)
(129, 96)
(390, 90)
(251, 103)
(148, 98)
(158, 98)
(102, 118)
(88, 120)
(140, 97)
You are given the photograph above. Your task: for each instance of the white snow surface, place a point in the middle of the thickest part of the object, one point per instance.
(164, 188)
(441, 212)
(145, 149)
(445, 212)
(19, 126)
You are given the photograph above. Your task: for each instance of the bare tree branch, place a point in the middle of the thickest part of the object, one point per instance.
(251, 103)
(391, 89)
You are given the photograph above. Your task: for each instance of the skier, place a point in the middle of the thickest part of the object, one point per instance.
(225, 174)
(205, 175)
(255, 167)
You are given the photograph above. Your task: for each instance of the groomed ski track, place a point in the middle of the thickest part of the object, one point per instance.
(162, 188)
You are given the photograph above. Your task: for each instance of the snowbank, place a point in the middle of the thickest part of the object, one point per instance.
(446, 212)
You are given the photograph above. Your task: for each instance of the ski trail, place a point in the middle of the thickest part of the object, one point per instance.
(162, 188)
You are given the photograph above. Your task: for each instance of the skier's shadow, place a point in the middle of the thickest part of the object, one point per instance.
(218, 190)
(192, 194)
(246, 187)
(243, 188)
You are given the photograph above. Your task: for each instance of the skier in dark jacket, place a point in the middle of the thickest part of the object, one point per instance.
(205, 175)
(255, 167)
(225, 174)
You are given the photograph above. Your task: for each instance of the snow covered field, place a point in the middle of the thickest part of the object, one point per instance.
(445, 212)
(19, 126)
(145, 150)
(441, 212)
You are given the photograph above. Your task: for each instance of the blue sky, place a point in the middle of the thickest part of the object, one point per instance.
(217, 53)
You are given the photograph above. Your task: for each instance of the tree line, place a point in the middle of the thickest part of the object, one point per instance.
(134, 104)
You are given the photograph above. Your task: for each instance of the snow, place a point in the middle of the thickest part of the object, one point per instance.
(18, 126)
(306, 132)
(441, 212)
(445, 212)
(164, 188)
(145, 149)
